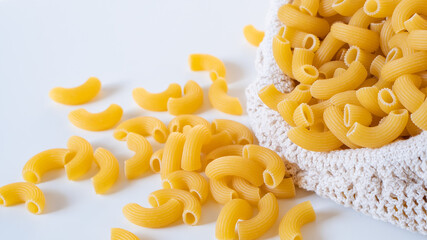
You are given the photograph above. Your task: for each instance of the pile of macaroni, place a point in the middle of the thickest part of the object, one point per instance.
(361, 68)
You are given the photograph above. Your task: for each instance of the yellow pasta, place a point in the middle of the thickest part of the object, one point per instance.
(196, 138)
(365, 39)
(286, 108)
(354, 113)
(21, 192)
(385, 35)
(388, 130)
(400, 40)
(309, 7)
(416, 22)
(140, 162)
(228, 150)
(252, 35)
(271, 97)
(121, 234)
(292, 17)
(108, 170)
(327, 50)
(221, 191)
(156, 160)
(231, 213)
(380, 8)
(296, 2)
(369, 82)
(236, 166)
(419, 117)
(246, 190)
(299, 39)
(388, 101)
(189, 103)
(347, 7)
(44, 162)
(393, 54)
(303, 115)
(412, 129)
(178, 123)
(156, 101)
(268, 211)
(319, 108)
(191, 181)
(408, 93)
(376, 27)
(339, 71)
(219, 139)
(327, 70)
(221, 101)
(354, 53)
(339, 56)
(351, 79)
(82, 161)
(172, 154)
(78, 95)
(155, 217)
(376, 65)
(283, 54)
(334, 120)
(404, 10)
(313, 140)
(239, 132)
(206, 62)
(417, 40)
(96, 121)
(192, 207)
(302, 69)
(286, 189)
(368, 98)
(145, 126)
(325, 8)
(341, 99)
(294, 219)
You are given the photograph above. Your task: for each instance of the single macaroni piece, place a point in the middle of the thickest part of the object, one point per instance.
(44, 162)
(196, 138)
(416, 22)
(96, 121)
(334, 120)
(121, 234)
(191, 181)
(145, 126)
(221, 191)
(314, 140)
(231, 213)
(206, 62)
(388, 101)
(351, 79)
(364, 38)
(419, 117)
(286, 108)
(252, 35)
(218, 140)
(155, 217)
(327, 70)
(268, 211)
(303, 115)
(309, 7)
(156, 160)
(341, 99)
(368, 98)
(302, 68)
(388, 130)
(347, 7)
(339, 71)
(189, 103)
(325, 8)
(140, 162)
(354, 113)
(361, 19)
(385, 35)
(239, 132)
(408, 93)
(21, 192)
(108, 170)
(299, 39)
(404, 11)
(271, 97)
(78, 95)
(274, 167)
(286, 189)
(228, 150)
(178, 123)
(376, 65)
(246, 190)
(327, 50)
(235, 166)
(283, 54)
(294, 219)
(354, 53)
(412, 129)
(380, 8)
(172, 154)
(292, 17)
(400, 41)
(156, 101)
(393, 54)
(192, 207)
(406, 65)
(82, 161)
(221, 101)
(417, 40)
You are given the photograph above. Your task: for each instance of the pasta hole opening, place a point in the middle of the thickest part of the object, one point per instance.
(214, 128)
(304, 88)
(309, 42)
(337, 2)
(153, 201)
(351, 56)
(347, 115)
(371, 7)
(322, 75)
(398, 112)
(155, 165)
(167, 184)
(305, 10)
(1, 200)
(31, 177)
(159, 135)
(352, 129)
(175, 128)
(243, 141)
(69, 156)
(32, 207)
(189, 218)
(234, 195)
(308, 114)
(386, 97)
(310, 70)
(196, 194)
(393, 54)
(121, 134)
(245, 152)
(268, 179)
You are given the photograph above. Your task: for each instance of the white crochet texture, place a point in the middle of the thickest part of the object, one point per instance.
(387, 183)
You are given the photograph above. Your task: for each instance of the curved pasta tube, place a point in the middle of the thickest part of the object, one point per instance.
(339, 56)
(369, 82)
(172, 154)
(354, 113)
(140, 162)
(419, 117)
(319, 108)
(206, 62)
(388, 101)
(246, 190)
(309, 7)
(195, 139)
(354, 53)
(341, 99)
(20, 192)
(96, 121)
(228, 150)
(416, 22)
(303, 115)
(145, 126)
(327, 50)
(351, 79)
(286, 189)
(299, 39)
(235, 166)
(327, 70)
(334, 120)
(361, 19)
(192, 207)
(377, 26)
(380, 8)
(239, 132)
(271, 97)
(302, 68)
(178, 123)
(313, 140)
(364, 38)
(325, 8)
(412, 129)
(189, 103)
(286, 108)
(108, 170)
(155, 217)
(404, 10)
(191, 181)
(231, 213)
(78, 95)
(252, 35)
(417, 40)
(387, 131)
(294, 219)
(221, 191)
(121, 234)
(221, 101)
(45, 161)
(268, 211)
(406, 65)
(347, 7)
(156, 101)
(156, 160)
(283, 54)
(218, 140)
(339, 71)
(385, 35)
(292, 17)
(400, 41)
(368, 98)
(274, 167)
(376, 65)
(82, 161)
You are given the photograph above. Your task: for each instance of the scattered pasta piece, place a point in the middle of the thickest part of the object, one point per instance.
(221, 101)
(239, 132)
(191, 181)
(252, 35)
(294, 219)
(156, 160)
(96, 121)
(140, 162)
(221, 191)
(228, 150)
(82, 161)
(195, 139)
(21, 192)
(121, 234)
(286, 189)
(108, 170)
(189, 103)
(156, 101)
(145, 126)
(172, 154)
(178, 123)
(231, 213)
(206, 62)
(246, 190)
(78, 95)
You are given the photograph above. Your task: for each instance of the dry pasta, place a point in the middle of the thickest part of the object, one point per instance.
(82, 161)
(380, 8)
(327, 70)
(96, 121)
(221, 101)
(368, 98)
(139, 163)
(156, 101)
(271, 97)
(172, 154)
(286, 189)
(419, 117)
(294, 219)
(77, 95)
(354, 53)
(23, 192)
(286, 108)
(178, 123)
(219, 139)
(393, 54)
(334, 120)
(156, 160)
(239, 132)
(327, 50)
(108, 170)
(314, 140)
(299, 39)
(221, 191)
(388, 101)
(283, 54)
(417, 40)
(246, 190)
(191, 181)
(231, 213)
(206, 62)
(404, 10)
(302, 67)
(195, 139)
(303, 115)
(228, 150)
(416, 22)
(341, 99)
(408, 93)
(145, 126)
(121, 234)
(347, 7)
(376, 65)
(252, 35)
(325, 8)
(309, 7)
(406, 65)
(385, 35)
(364, 38)
(400, 41)
(354, 113)
(189, 103)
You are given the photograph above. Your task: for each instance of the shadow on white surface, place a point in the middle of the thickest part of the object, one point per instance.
(108, 90)
(55, 201)
(234, 72)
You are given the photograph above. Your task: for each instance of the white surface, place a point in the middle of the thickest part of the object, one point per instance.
(126, 44)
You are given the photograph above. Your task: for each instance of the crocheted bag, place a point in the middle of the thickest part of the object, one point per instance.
(387, 183)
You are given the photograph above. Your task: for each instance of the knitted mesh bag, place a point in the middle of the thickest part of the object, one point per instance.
(387, 183)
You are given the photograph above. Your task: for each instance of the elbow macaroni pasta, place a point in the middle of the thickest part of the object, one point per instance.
(78, 95)
(156, 101)
(246, 190)
(108, 171)
(172, 154)
(195, 139)
(239, 132)
(294, 219)
(144, 126)
(96, 121)
(82, 161)
(178, 123)
(20, 192)
(221, 191)
(314, 140)
(189, 103)
(252, 35)
(206, 62)
(231, 213)
(191, 181)
(286, 189)
(121, 234)
(221, 101)
(140, 162)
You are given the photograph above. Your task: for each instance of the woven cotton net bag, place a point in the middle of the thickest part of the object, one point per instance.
(387, 183)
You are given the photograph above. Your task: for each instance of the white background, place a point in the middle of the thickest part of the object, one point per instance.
(126, 44)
